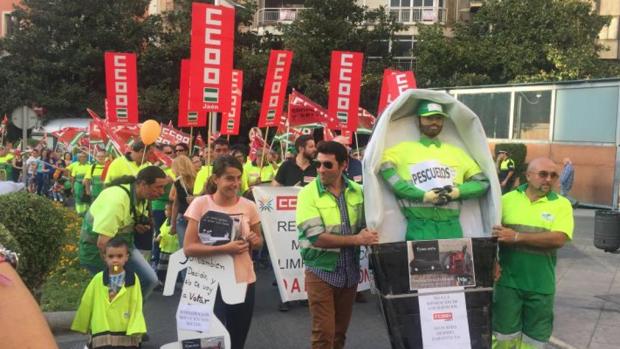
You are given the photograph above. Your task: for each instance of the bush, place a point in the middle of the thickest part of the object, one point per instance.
(38, 226)
(518, 153)
(8, 241)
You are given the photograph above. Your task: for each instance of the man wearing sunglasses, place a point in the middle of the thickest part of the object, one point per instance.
(330, 221)
(535, 223)
(430, 177)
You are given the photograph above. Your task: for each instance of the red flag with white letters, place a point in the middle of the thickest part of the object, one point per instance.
(303, 111)
(212, 41)
(275, 88)
(394, 83)
(344, 89)
(187, 118)
(232, 120)
(121, 80)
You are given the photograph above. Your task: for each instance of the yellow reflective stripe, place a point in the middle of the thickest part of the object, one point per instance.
(308, 244)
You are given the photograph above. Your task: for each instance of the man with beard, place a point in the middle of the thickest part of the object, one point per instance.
(430, 177)
(300, 170)
(536, 222)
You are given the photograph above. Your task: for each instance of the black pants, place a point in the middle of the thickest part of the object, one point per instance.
(236, 317)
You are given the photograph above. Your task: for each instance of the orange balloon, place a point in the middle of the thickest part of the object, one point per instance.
(149, 132)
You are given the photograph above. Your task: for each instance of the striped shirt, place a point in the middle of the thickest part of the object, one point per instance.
(347, 272)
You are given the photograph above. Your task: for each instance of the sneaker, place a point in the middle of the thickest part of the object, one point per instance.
(283, 307)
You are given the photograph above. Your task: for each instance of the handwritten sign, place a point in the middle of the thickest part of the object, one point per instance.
(443, 316)
(193, 317)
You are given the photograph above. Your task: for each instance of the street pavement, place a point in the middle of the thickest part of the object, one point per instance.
(587, 309)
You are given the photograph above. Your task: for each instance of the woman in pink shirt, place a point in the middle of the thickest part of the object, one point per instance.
(243, 236)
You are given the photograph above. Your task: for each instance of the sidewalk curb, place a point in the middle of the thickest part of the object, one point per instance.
(560, 344)
(59, 321)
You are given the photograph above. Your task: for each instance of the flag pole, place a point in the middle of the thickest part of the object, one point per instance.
(357, 143)
(262, 160)
(191, 141)
(209, 139)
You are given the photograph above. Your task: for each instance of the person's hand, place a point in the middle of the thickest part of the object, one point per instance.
(367, 237)
(158, 238)
(236, 247)
(142, 228)
(503, 184)
(452, 192)
(505, 235)
(173, 229)
(433, 196)
(253, 238)
(189, 199)
(497, 271)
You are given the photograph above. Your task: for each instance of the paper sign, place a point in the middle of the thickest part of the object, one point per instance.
(431, 174)
(193, 317)
(440, 263)
(217, 226)
(443, 317)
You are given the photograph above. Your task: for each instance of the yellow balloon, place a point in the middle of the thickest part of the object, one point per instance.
(149, 132)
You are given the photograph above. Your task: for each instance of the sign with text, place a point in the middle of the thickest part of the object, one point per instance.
(232, 120)
(121, 81)
(187, 117)
(443, 317)
(193, 317)
(394, 83)
(212, 41)
(344, 89)
(275, 88)
(172, 136)
(276, 206)
(303, 111)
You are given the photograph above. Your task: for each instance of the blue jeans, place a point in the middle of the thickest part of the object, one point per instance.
(137, 263)
(181, 228)
(159, 216)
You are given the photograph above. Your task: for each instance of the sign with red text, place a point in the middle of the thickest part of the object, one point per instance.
(344, 89)
(172, 136)
(276, 206)
(186, 117)
(212, 41)
(275, 88)
(443, 318)
(232, 120)
(394, 83)
(303, 111)
(121, 81)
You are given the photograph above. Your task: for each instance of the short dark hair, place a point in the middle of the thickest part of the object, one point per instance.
(116, 242)
(335, 148)
(219, 167)
(150, 174)
(221, 141)
(242, 148)
(138, 145)
(182, 145)
(302, 140)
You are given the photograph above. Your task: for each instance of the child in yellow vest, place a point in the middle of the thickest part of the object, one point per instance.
(168, 244)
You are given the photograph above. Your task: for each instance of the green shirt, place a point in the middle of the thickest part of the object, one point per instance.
(529, 268)
(122, 167)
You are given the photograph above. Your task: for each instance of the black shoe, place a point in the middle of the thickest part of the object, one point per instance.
(146, 338)
(283, 307)
(361, 298)
(274, 283)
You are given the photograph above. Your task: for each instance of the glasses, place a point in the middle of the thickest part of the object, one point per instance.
(327, 164)
(547, 174)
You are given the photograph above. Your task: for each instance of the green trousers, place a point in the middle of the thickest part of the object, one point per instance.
(428, 229)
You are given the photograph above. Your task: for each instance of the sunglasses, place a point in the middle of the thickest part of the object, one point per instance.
(546, 174)
(327, 164)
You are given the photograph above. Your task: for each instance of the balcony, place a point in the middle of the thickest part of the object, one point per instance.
(271, 16)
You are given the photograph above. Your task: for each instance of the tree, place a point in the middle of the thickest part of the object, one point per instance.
(515, 41)
(329, 25)
(55, 56)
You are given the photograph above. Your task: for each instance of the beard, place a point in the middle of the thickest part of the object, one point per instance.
(309, 155)
(430, 131)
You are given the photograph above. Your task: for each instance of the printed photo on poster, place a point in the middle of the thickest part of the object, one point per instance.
(204, 343)
(440, 263)
(217, 227)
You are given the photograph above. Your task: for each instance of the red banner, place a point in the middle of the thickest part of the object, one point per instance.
(394, 84)
(172, 136)
(187, 118)
(302, 110)
(119, 144)
(275, 88)
(367, 120)
(212, 41)
(344, 89)
(121, 80)
(232, 120)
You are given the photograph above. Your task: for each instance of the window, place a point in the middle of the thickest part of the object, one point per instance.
(532, 112)
(586, 115)
(493, 109)
(8, 23)
(411, 11)
(402, 46)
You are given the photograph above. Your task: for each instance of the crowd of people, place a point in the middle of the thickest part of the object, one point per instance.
(137, 213)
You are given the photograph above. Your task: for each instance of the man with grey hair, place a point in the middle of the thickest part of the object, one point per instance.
(536, 222)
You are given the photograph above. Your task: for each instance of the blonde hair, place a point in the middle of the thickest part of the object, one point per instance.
(182, 167)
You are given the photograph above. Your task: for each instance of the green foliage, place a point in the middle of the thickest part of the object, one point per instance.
(38, 226)
(8, 241)
(518, 153)
(515, 41)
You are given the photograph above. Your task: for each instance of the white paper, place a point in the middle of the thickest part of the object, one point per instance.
(193, 317)
(431, 174)
(443, 317)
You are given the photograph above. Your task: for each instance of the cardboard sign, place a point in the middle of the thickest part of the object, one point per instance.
(276, 206)
(275, 88)
(193, 317)
(216, 227)
(121, 81)
(344, 89)
(443, 317)
(440, 263)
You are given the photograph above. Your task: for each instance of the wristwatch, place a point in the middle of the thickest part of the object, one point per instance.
(8, 256)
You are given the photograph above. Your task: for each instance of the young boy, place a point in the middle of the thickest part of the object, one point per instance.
(111, 307)
(168, 244)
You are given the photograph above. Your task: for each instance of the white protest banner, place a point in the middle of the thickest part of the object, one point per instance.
(443, 317)
(276, 206)
(193, 317)
(431, 174)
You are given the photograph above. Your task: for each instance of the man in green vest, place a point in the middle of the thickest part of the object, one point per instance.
(430, 177)
(6, 167)
(535, 223)
(505, 170)
(93, 181)
(330, 221)
(78, 174)
(129, 164)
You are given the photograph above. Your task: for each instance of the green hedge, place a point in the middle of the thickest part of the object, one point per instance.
(8, 241)
(518, 153)
(38, 226)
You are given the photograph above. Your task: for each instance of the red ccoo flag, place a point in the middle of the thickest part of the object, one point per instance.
(344, 89)
(121, 79)
(232, 120)
(275, 88)
(188, 118)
